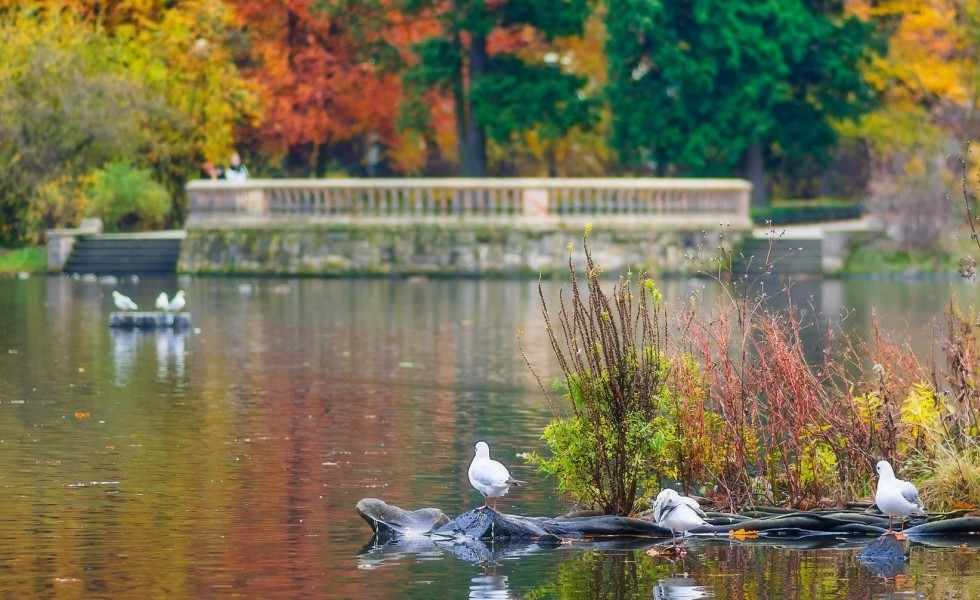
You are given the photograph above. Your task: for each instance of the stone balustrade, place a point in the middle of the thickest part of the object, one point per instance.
(337, 200)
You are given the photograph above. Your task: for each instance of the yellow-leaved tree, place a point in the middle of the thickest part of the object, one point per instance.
(183, 54)
(927, 81)
(86, 84)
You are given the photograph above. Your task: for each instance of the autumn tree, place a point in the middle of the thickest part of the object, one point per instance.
(66, 108)
(184, 56)
(929, 82)
(86, 83)
(718, 87)
(328, 74)
(495, 90)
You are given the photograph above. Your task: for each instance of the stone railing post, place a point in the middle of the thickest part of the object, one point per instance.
(252, 202)
(534, 202)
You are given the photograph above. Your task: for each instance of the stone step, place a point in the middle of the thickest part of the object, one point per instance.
(116, 255)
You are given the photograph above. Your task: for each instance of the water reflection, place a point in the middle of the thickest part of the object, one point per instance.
(169, 350)
(489, 587)
(236, 454)
(680, 588)
(468, 550)
(712, 568)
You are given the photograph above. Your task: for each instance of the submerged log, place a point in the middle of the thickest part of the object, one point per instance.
(150, 320)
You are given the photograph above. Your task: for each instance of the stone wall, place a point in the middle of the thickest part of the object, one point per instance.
(452, 248)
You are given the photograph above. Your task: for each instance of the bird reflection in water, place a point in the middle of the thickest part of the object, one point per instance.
(489, 586)
(123, 355)
(170, 346)
(680, 588)
(170, 353)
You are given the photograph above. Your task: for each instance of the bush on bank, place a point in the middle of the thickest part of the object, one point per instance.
(724, 401)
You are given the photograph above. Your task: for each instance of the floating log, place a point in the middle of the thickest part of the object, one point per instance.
(391, 522)
(150, 320)
(954, 526)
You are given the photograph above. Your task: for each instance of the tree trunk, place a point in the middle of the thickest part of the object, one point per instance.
(754, 168)
(549, 157)
(321, 159)
(459, 99)
(475, 164)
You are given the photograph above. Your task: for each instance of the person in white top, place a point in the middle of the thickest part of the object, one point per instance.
(236, 170)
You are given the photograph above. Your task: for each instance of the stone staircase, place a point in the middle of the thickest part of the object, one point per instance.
(782, 257)
(154, 253)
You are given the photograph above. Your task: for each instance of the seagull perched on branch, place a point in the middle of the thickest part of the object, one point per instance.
(489, 477)
(676, 512)
(896, 497)
(122, 302)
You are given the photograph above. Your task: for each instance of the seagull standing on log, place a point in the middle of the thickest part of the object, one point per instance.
(162, 301)
(178, 302)
(122, 302)
(489, 477)
(676, 512)
(896, 497)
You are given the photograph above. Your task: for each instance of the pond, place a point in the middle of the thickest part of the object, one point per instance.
(226, 461)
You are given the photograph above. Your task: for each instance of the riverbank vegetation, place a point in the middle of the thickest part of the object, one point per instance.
(23, 260)
(728, 402)
(855, 100)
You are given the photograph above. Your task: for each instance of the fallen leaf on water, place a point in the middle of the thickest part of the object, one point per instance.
(741, 534)
(111, 446)
(669, 552)
(83, 415)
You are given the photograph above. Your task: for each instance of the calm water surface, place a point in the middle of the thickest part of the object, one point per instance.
(226, 461)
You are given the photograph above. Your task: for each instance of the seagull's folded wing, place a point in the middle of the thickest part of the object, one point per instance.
(490, 472)
(910, 493)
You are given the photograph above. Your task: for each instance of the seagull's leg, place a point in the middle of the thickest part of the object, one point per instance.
(889, 532)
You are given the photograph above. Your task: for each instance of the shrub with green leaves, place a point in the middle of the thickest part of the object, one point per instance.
(613, 448)
(128, 199)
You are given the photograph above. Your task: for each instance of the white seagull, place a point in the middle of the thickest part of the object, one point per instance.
(123, 303)
(178, 302)
(676, 512)
(896, 497)
(162, 302)
(489, 477)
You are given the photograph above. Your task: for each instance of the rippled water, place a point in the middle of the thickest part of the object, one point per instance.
(226, 461)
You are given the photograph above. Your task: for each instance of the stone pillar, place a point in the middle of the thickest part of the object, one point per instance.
(251, 202)
(61, 242)
(535, 202)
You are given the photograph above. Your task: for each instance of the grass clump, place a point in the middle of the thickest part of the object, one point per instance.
(31, 259)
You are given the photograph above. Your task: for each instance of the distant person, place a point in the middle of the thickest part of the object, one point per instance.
(236, 171)
(211, 171)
